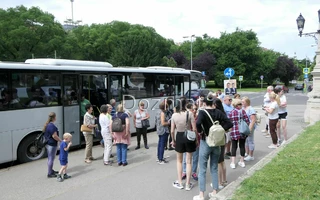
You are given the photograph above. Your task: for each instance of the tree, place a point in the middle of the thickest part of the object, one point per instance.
(28, 31)
(286, 70)
(179, 58)
(170, 62)
(238, 50)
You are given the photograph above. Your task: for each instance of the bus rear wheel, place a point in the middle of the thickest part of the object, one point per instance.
(28, 151)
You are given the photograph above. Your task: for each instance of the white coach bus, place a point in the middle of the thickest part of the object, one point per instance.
(31, 90)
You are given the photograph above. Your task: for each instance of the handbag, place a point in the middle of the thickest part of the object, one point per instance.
(243, 126)
(145, 123)
(85, 128)
(190, 135)
(41, 140)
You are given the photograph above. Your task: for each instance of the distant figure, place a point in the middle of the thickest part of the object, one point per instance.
(113, 104)
(236, 96)
(220, 95)
(83, 104)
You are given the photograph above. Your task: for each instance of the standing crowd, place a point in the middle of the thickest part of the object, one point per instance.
(187, 126)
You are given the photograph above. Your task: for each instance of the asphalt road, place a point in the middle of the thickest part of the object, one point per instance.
(143, 178)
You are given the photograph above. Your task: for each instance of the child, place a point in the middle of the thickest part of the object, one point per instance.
(63, 157)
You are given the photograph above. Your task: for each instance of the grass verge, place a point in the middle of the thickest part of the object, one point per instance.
(293, 174)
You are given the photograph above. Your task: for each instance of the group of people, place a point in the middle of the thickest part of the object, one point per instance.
(191, 155)
(173, 122)
(108, 114)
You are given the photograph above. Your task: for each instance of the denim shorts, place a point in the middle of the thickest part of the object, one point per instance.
(63, 162)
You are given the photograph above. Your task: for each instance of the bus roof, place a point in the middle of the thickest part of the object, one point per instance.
(65, 62)
(86, 68)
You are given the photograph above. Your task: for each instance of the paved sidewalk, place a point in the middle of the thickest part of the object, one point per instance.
(143, 178)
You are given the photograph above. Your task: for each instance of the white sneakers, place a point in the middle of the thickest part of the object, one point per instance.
(249, 158)
(232, 165)
(272, 146)
(241, 164)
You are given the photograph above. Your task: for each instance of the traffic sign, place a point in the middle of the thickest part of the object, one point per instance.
(203, 73)
(261, 77)
(228, 72)
(305, 75)
(306, 70)
(240, 78)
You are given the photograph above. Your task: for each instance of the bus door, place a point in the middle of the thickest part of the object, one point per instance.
(71, 108)
(178, 87)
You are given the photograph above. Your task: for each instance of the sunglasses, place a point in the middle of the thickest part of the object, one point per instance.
(240, 104)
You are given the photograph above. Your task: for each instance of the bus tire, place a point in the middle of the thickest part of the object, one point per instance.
(28, 151)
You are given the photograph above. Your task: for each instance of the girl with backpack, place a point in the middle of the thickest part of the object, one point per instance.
(121, 138)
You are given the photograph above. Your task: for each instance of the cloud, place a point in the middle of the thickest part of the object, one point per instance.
(273, 21)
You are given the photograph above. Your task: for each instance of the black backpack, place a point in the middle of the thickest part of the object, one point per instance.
(41, 140)
(117, 124)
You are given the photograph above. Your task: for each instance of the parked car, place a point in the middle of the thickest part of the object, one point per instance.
(195, 94)
(299, 86)
(310, 87)
(282, 87)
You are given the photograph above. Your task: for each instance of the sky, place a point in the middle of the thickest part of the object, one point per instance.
(274, 21)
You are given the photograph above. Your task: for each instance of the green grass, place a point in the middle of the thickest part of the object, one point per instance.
(243, 89)
(293, 174)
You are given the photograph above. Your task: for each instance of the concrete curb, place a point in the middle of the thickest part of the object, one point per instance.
(228, 192)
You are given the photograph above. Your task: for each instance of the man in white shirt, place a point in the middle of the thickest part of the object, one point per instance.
(266, 103)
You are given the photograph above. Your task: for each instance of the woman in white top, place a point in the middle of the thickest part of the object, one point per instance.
(89, 121)
(273, 117)
(282, 117)
(105, 123)
(139, 115)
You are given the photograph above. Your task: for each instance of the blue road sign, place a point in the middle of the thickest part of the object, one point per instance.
(203, 73)
(228, 72)
(305, 75)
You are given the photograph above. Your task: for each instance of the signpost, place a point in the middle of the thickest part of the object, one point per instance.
(228, 72)
(306, 70)
(240, 79)
(261, 77)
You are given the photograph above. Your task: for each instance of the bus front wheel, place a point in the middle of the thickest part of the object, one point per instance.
(28, 151)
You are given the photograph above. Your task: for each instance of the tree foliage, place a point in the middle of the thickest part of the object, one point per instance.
(25, 32)
(28, 31)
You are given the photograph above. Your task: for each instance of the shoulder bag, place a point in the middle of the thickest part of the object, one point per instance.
(85, 128)
(144, 123)
(243, 126)
(190, 135)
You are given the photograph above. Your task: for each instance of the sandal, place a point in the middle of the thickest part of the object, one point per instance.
(87, 161)
(107, 163)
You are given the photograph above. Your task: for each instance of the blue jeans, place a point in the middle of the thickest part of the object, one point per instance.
(161, 144)
(195, 158)
(204, 153)
(122, 153)
(51, 151)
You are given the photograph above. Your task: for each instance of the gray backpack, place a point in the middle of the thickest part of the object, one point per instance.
(117, 124)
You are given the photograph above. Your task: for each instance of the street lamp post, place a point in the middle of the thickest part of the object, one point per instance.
(192, 36)
(312, 113)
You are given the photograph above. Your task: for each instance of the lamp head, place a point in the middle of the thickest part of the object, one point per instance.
(300, 24)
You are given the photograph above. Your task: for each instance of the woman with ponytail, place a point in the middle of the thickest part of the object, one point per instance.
(273, 116)
(51, 134)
